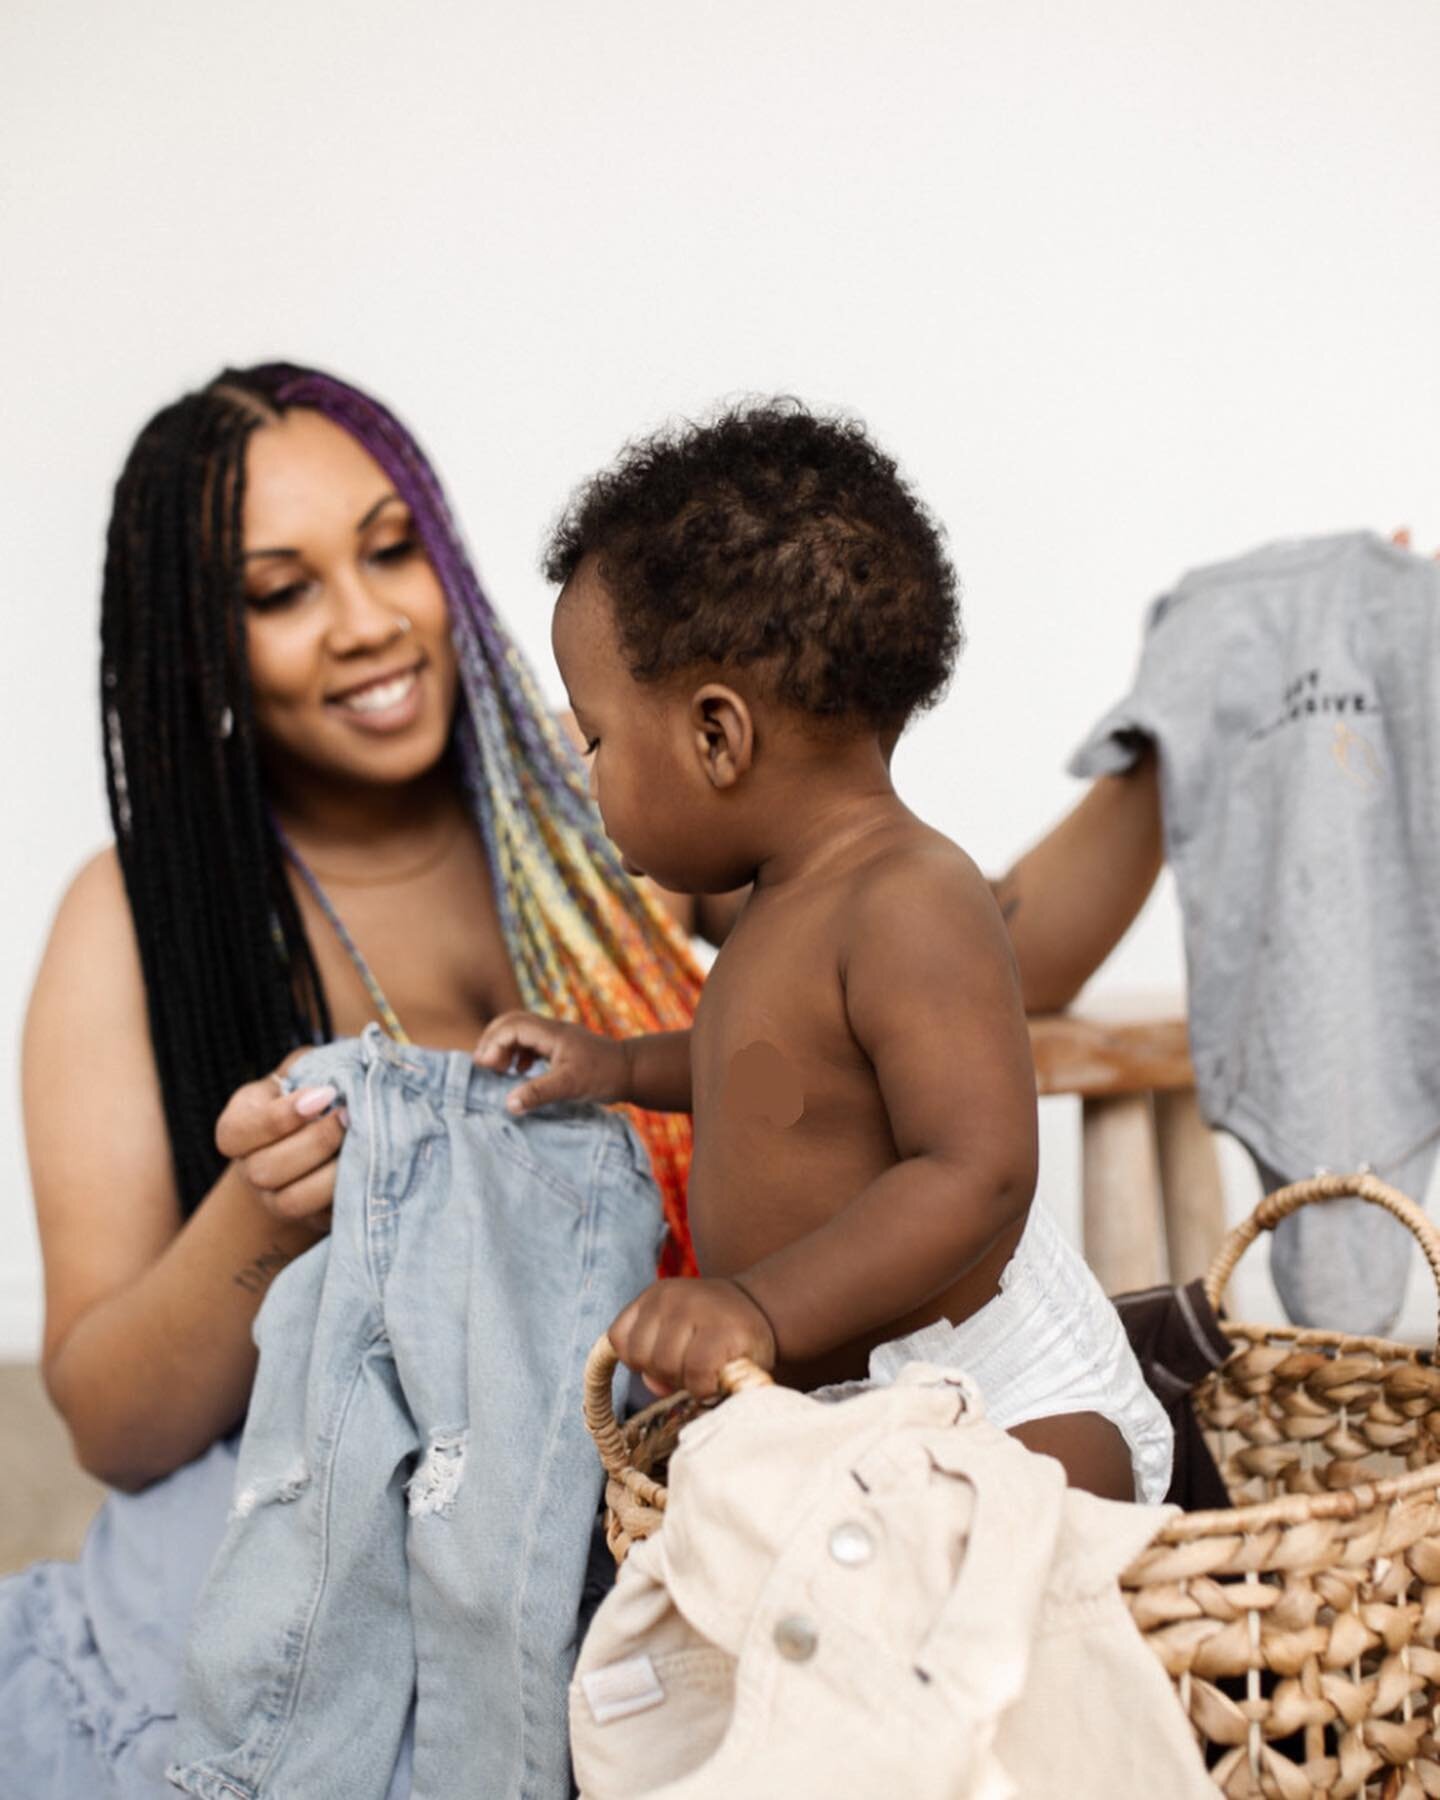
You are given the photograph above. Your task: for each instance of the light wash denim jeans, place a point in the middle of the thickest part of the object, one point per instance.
(416, 1488)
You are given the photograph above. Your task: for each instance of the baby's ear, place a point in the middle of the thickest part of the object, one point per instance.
(723, 733)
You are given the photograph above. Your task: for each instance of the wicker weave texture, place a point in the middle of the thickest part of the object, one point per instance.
(1302, 1630)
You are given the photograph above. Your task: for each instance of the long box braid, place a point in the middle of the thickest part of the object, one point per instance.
(231, 978)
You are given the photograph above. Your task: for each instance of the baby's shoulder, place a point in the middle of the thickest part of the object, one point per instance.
(918, 916)
(926, 949)
(918, 872)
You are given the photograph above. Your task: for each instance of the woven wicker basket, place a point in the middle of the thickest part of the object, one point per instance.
(1302, 1630)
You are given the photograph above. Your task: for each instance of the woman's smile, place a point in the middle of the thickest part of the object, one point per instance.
(388, 702)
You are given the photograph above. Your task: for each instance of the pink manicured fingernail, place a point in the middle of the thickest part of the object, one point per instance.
(310, 1101)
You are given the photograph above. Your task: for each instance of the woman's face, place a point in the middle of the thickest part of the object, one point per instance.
(352, 669)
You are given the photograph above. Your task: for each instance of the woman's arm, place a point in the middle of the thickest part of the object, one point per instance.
(147, 1352)
(1068, 901)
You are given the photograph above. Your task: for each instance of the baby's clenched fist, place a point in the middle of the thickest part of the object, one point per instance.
(681, 1334)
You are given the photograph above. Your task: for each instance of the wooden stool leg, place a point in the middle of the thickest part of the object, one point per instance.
(1121, 1192)
(1190, 1182)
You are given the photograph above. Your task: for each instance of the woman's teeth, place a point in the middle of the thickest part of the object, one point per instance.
(381, 696)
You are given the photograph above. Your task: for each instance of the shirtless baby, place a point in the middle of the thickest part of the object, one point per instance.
(751, 610)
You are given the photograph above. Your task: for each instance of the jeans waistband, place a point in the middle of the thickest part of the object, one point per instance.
(449, 1079)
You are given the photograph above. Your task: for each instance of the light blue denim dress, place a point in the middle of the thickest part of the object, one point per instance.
(90, 1651)
(415, 1489)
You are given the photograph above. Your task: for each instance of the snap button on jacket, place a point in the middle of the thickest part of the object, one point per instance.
(886, 1595)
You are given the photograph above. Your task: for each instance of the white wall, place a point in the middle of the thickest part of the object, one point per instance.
(1127, 285)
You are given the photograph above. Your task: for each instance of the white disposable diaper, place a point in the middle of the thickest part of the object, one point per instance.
(1048, 1343)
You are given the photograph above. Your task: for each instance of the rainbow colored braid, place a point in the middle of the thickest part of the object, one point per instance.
(586, 942)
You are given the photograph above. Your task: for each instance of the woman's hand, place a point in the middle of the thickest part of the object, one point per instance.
(681, 1333)
(285, 1147)
(583, 1066)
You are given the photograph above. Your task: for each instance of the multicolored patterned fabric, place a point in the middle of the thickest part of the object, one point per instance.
(587, 943)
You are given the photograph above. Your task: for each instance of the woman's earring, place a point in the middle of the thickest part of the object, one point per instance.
(225, 725)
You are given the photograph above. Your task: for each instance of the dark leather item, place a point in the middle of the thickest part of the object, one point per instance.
(1178, 1340)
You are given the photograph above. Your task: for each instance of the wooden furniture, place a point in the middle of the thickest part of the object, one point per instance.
(1151, 1201)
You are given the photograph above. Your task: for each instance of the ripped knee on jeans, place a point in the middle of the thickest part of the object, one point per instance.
(275, 1492)
(436, 1483)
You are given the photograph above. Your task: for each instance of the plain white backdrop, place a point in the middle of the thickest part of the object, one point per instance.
(1126, 286)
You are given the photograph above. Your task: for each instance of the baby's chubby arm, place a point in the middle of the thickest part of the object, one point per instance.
(712, 1320)
(933, 999)
(652, 1071)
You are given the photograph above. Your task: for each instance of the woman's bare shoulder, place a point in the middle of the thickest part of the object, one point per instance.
(91, 949)
(95, 894)
(94, 1125)
(87, 1012)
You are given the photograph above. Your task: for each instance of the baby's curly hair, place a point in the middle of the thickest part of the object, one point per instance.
(772, 535)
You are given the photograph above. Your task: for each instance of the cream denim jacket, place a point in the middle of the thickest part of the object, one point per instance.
(881, 1597)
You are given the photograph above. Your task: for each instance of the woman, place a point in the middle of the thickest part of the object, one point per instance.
(336, 796)
(1070, 899)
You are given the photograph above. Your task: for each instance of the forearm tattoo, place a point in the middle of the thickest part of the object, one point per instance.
(257, 1275)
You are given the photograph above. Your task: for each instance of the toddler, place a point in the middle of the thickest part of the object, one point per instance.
(750, 611)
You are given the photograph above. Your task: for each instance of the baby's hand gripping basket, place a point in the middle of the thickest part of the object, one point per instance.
(1302, 1629)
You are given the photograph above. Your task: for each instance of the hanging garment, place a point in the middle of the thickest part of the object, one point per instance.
(1294, 698)
(884, 1595)
(416, 1489)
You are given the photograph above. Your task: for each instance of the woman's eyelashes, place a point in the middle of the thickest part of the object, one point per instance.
(397, 552)
(387, 556)
(276, 598)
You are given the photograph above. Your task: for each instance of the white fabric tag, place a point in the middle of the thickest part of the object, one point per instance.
(622, 1688)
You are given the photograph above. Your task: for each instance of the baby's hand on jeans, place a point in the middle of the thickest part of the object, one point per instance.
(284, 1146)
(681, 1333)
(583, 1066)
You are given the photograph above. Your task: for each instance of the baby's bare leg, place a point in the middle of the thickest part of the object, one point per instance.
(1089, 1448)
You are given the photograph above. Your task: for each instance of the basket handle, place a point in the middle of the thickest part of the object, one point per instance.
(735, 1378)
(1284, 1201)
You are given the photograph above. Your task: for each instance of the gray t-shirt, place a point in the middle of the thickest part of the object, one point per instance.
(1294, 697)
